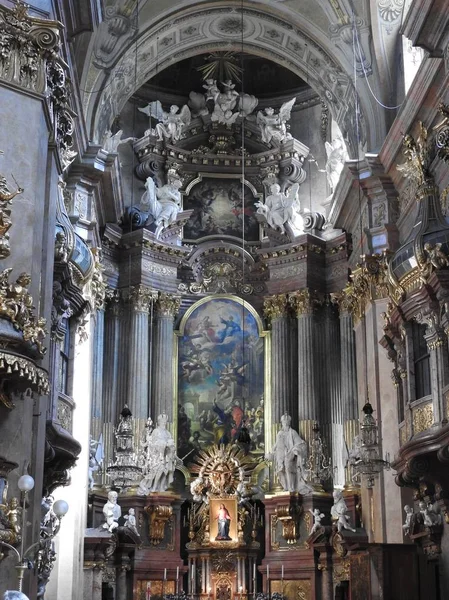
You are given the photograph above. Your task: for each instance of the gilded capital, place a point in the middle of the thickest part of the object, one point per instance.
(167, 305)
(275, 307)
(140, 297)
(303, 302)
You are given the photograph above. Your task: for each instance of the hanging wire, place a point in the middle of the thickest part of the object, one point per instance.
(357, 41)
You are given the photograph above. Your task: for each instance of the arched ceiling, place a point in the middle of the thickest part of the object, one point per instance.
(129, 48)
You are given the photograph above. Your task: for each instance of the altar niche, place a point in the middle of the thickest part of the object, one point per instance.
(222, 370)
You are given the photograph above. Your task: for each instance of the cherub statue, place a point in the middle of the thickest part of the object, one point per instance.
(339, 512)
(336, 156)
(35, 332)
(61, 249)
(436, 256)
(112, 512)
(171, 124)
(273, 128)
(162, 204)
(318, 516)
(19, 298)
(280, 208)
(112, 142)
(12, 511)
(130, 520)
(14, 595)
(429, 514)
(408, 517)
(198, 489)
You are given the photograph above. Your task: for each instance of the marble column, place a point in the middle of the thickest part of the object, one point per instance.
(330, 415)
(139, 299)
(97, 374)
(308, 399)
(276, 311)
(346, 410)
(166, 308)
(121, 583)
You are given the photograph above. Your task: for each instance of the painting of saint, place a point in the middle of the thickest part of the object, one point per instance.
(220, 375)
(224, 523)
(218, 210)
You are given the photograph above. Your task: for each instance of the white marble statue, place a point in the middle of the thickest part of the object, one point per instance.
(112, 142)
(162, 204)
(273, 127)
(336, 156)
(318, 516)
(408, 517)
(339, 512)
(14, 595)
(130, 520)
(280, 208)
(96, 457)
(162, 460)
(172, 124)
(112, 512)
(289, 454)
(225, 103)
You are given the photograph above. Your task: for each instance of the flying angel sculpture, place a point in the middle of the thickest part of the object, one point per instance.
(171, 124)
(273, 128)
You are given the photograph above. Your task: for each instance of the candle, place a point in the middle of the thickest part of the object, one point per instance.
(268, 571)
(165, 574)
(254, 570)
(177, 573)
(282, 572)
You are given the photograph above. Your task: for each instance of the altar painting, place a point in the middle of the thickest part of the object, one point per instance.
(223, 520)
(220, 376)
(218, 209)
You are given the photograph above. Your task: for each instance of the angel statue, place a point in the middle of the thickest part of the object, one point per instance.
(171, 124)
(336, 156)
(280, 208)
(273, 128)
(112, 142)
(162, 204)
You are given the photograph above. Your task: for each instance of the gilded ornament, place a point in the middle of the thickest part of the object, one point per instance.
(16, 305)
(442, 133)
(303, 302)
(167, 305)
(159, 516)
(422, 418)
(6, 197)
(98, 285)
(417, 158)
(341, 572)
(276, 307)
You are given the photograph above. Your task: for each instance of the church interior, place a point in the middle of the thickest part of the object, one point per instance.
(224, 348)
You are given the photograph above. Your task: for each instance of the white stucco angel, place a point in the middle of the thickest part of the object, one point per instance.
(273, 128)
(162, 204)
(112, 142)
(336, 156)
(339, 512)
(171, 124)
(281, 208)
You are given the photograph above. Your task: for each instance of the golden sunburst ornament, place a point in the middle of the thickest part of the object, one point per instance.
(223, 467)
(221, 66)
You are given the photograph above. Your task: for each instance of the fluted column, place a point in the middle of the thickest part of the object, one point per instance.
(347, 409)
(166, 308)
(439, 372)
(121, 584)
(97, 374)
(308, 400)
(113, 367)
(139, 299)
(276, 311)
